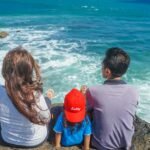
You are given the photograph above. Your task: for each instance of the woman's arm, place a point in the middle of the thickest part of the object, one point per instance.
(43, 110)
(86, 142)
(57, 140)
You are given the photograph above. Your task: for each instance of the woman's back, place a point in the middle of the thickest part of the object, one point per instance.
(16, 128)
(24, 114)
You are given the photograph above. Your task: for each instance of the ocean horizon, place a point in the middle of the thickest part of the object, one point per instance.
(69, 39)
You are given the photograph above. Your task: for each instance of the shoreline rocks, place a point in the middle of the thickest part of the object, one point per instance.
(141, 138)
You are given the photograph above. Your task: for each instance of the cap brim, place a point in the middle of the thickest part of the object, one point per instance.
(75, 117)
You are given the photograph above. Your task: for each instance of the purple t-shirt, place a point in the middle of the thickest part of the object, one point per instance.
(114, 105)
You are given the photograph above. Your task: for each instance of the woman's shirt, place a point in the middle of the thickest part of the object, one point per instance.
(72, 135)
(16, 128)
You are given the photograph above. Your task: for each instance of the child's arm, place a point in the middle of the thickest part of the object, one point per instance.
(87, 134)
(57, 140)
(58, 128)
(86, 142)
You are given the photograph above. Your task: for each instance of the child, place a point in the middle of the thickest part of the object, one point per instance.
(73, 127)
(114, 104)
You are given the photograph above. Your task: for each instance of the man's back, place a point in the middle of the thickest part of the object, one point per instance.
(114, 105)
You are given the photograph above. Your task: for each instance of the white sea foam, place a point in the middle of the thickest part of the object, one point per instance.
(63, 66)
(67, 61)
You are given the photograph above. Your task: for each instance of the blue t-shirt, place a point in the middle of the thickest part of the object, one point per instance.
(72, 135)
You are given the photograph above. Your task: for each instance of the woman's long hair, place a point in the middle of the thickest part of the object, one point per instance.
(23, 82)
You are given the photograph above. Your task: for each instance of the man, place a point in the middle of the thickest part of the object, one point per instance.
(113, 104)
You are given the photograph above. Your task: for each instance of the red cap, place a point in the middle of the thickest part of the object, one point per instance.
(74, 106)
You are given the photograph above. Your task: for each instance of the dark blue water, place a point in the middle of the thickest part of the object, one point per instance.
(68, 38)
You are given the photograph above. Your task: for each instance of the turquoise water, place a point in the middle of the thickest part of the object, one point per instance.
(69, 39)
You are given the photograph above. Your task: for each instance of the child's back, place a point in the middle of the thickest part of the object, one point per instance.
(72, 134)
(73, 127)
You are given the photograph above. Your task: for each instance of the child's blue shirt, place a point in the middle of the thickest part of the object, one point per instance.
(72, 135)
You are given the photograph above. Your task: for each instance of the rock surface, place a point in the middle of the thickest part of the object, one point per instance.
(141, 138)
(3, 34)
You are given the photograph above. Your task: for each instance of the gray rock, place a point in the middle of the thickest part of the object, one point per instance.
(3, 34)
(141, 138)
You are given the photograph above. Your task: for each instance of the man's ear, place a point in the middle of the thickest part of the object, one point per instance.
(108, 73)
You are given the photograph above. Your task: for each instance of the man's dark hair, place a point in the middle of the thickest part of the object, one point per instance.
(117, 60)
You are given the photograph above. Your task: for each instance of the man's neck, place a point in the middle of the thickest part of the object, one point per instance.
(114, 81)
(117, 78)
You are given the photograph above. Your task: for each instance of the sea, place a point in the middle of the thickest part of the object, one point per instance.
(68, 38)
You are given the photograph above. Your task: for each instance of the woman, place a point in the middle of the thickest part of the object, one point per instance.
(24, 114)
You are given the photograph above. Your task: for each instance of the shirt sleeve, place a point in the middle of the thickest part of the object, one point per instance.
(88, 127)
(58, 128)
(89, 100)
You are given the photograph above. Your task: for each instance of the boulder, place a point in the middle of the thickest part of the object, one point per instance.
(3, 34)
